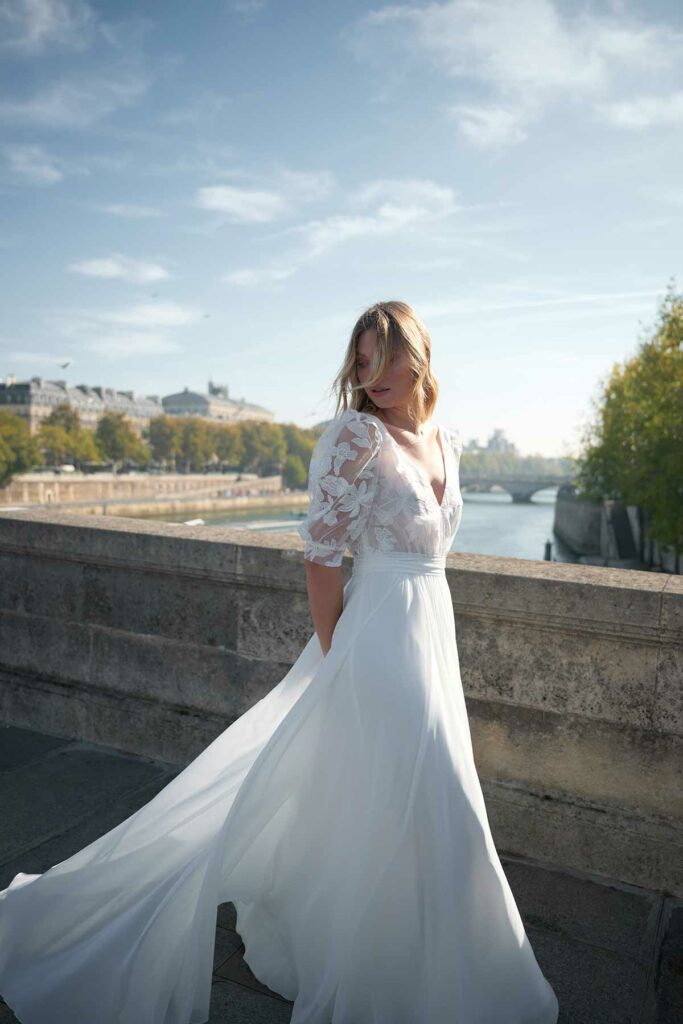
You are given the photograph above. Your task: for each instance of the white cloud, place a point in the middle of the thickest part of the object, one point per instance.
(131, 210)
(528, 55)
(29, 27)
(31, 164)
(489, 125)
(248, 7)
(113, 345)
(121, 268)
(394, 204)
(153, 314)
(140, 330)
(378, 208)
(645, 112)
(599, 303)
(36, 358)
(306, 186)
(254, 277)
(75, 103)
(242, 205)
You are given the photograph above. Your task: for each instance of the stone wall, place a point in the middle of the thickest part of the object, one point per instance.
(154, 637)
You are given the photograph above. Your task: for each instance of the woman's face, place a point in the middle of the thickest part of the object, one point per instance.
(395, 387)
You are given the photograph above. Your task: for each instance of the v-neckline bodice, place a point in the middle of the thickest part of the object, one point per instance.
(413, 465)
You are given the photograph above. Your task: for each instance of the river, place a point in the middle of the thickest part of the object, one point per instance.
(491, 524)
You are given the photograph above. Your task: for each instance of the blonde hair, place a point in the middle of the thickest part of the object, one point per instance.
(398, 328)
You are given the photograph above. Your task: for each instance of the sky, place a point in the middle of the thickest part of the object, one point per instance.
(216, 191)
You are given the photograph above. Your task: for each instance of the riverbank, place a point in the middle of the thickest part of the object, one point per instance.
(143, 507)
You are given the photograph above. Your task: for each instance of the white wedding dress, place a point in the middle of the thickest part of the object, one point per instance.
(342, 814)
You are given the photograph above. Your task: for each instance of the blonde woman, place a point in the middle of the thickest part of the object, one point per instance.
(342, 814)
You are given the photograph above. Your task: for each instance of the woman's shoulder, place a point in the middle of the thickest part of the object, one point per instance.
(355, 427)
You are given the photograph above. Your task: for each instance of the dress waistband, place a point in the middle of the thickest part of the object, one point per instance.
(399, 561)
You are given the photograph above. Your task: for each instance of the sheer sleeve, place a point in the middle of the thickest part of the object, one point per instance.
(456, 441)
(341, 487)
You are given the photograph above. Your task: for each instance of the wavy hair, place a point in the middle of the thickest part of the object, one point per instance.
(398, 328)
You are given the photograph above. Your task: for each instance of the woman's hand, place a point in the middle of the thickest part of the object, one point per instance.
(326, 599)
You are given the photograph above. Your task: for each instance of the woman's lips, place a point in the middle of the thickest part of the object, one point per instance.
(378, 391)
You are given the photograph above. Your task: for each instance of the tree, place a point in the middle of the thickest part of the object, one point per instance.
(53, 441)
(229, 445)
(294, 473)
(633, 449)
(196, 443)
(117, 440)
(164, 436)
(62, 438)
(65, 416)
(264, 447)
(18, 450)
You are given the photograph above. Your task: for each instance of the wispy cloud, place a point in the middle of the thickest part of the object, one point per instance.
(139, 330)
(242, 205)
(247, 8)
(31, 164)
(527, 55)
(563, 306)
(121, 268)
(377, 209)
(30, 27)
(645, 112)
(133, 211)
(255, 277)
(75, 102)
(18, 356)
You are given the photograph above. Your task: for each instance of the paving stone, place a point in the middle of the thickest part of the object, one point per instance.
(592, 985)
(668, 981)
(236, 969)
(613, 916)
(227, 917)
(234, 1004)
(19, 746)
(46, 797)
(41, 857)
(227, 942)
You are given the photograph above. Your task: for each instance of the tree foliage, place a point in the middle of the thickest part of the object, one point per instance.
(117, 440)
(633, 448)
(18, 450)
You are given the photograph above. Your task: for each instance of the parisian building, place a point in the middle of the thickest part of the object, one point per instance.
(35, 399)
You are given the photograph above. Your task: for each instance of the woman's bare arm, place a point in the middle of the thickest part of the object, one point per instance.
(326, 599)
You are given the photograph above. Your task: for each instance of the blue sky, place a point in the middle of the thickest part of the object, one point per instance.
(218, 189)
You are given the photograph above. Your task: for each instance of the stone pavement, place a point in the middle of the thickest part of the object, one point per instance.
(612, 952)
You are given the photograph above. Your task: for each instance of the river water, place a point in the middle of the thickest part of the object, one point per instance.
(491, 524)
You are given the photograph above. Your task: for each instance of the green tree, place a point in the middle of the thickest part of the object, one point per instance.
(229, 445)
(64, 416)
(117, 440)
(294, 473)
(164, 437)
(196, 443)
(264, 447)
(53, 441)
(18, 450)
(633, 448)
(62, 438)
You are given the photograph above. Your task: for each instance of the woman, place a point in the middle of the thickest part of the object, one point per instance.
(342, 814)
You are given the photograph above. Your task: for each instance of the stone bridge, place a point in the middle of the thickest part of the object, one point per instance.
(519, 486)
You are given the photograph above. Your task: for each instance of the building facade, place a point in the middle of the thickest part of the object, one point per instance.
(35, 399)
(216, 406)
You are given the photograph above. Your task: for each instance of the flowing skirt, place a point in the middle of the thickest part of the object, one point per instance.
(342, 815)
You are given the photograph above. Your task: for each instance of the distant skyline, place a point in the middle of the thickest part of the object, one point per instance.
(217, 190)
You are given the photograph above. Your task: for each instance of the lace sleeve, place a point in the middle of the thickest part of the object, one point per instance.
(456, 441)
(341, 487)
